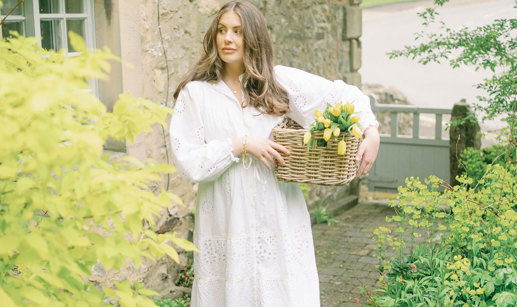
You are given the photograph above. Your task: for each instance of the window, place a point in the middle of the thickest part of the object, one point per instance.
(51, 20)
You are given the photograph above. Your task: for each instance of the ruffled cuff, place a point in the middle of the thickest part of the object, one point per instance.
(228, 144)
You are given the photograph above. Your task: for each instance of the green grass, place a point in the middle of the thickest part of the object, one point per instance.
(369, 3)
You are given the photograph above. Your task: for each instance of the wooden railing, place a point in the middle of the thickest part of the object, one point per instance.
(401, 156)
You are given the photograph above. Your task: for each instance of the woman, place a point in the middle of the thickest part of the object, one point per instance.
(253, 232)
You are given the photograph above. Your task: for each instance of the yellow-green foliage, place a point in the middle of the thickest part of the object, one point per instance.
(453, 246)
(63, 204)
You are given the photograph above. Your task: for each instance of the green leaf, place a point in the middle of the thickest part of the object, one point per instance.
(185, 244)
(77, 42)
(6, 299)
(8, 244)
(39, 244)
(170, 251)
(504, 299)
(148, 292)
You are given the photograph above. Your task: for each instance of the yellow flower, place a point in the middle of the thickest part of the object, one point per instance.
(509, 260)
(349, 108)
(512, 232)
(457, 257)
(307, 137)
(327, 133)
(491, 268)
(495, 243)
(439, 215)
(336, 131)
(480, 290)
(454, 276)
(472, 292)
(335, 111)
(476, 284)
(451, 293)
(498, 262)
(339, 106)
(354, 119)
(320, 119)
(341, 148)
(327, 122)
(356, 131)
(317, 113)
(446, 282)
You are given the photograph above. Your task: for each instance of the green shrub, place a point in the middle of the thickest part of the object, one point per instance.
(453, 246)
(186, 274)
(322, 215)
(179, 302)
(474, 162)
(64, 205)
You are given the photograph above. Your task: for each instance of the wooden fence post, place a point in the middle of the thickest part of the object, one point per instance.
(461, 136)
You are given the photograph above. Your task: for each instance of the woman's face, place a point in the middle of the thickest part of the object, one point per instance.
(229, 39)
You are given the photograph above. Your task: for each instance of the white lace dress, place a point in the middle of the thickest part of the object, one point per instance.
(253, 232)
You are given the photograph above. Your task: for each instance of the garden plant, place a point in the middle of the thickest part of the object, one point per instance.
(457, 246)
(66, 205)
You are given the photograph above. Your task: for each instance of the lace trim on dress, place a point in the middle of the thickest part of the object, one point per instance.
(236, 258)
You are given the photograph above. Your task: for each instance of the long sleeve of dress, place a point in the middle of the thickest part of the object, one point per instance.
(194, 156)
(308, 92)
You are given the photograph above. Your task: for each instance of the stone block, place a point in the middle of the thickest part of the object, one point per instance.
(353, 78)
(353, 22)
(355, 54)
(355, 2)
(461, 137)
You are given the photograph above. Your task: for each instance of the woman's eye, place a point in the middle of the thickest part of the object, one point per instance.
(238, 31)
(221, 30)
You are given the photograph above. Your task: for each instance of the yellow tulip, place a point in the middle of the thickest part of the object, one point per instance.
(327, 133)
(349, 108)
(327, 122)
(317, 113)
(335, 111)
(307, 137)
(341, 148)
(354, 119)
(336, 131)
(339, 106)
(320, 119)
(356, 131)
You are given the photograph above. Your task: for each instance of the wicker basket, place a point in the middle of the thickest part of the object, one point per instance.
(320, 164)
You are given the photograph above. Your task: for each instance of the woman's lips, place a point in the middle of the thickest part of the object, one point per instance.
(228, 50)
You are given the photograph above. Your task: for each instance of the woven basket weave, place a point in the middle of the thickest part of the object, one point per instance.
(320, 164)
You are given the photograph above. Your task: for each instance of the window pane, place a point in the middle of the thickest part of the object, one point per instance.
(74, 6)
(49, 6)
(12, 26)
(50, 34)
(8, 5)
(76, 26)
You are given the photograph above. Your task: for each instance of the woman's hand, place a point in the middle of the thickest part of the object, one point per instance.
(263, 149)
(367, 152)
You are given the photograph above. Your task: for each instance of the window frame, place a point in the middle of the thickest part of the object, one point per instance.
(31, 18)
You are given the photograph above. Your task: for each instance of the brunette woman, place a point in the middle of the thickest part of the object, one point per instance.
(253, 232)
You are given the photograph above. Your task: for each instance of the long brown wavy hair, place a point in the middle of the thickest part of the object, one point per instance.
(261, 89)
